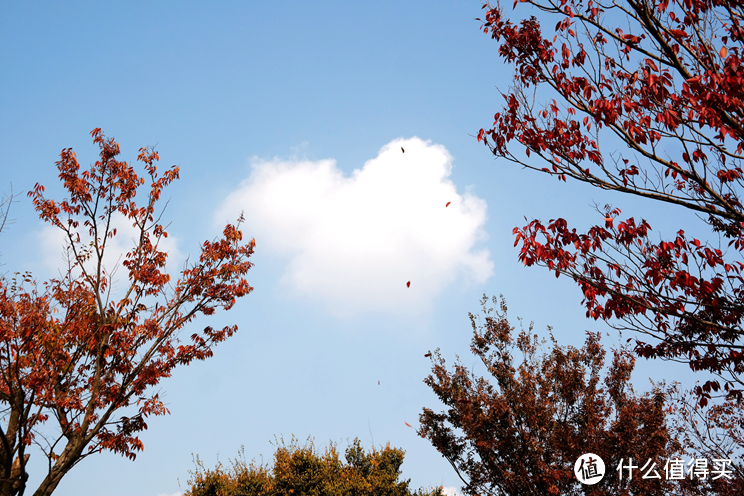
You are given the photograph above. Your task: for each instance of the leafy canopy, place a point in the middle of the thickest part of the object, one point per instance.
(520, 429)
(301, 470)
(665, 80)
(73, 354)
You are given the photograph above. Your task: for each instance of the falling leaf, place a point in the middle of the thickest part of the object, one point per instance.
(401, 149)
(408, 284)
(427, 355)
(447, 204)
(409, 425)
(378, 383)
(724, 52)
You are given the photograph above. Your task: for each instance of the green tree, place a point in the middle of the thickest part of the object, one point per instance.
(302, 471)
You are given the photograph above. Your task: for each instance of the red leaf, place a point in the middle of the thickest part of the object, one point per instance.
(408, 284)
(448, 204)
(401, 149)
(427, 355)
(214, 282)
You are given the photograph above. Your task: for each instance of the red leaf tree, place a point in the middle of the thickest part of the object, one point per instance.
(665, 79)
(72, 354)
(520, 429)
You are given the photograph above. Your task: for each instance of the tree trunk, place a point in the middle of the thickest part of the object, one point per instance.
(18, 475)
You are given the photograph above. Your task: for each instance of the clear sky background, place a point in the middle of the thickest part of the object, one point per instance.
(295, 112)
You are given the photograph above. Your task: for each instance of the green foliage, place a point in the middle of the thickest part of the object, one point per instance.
(302, 471)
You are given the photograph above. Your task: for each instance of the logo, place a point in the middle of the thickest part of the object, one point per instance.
(589, 469)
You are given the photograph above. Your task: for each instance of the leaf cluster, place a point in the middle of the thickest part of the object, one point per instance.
(665, 80)
(73, 354)
(302, 471)
(520, 429)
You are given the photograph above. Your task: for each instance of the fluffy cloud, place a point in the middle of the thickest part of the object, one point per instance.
(451, 491)
(353, 242)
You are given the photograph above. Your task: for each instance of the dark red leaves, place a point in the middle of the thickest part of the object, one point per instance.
(408, 284)
(663, 266)
(543, 404)
(678, 137)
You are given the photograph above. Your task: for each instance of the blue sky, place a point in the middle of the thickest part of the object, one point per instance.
(295, 112)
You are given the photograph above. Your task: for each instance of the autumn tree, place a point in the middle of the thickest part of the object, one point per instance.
(710, 433)
(301, 470)
(659, 84)
(520, 429)
(78, 356)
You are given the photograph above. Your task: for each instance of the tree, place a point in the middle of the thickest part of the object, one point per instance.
(666, 83)
(300, 470)
(710, 433)
(73, 354)
(522, 433)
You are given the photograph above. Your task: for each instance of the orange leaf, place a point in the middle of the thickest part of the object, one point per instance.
(214, 280)
(409, 425)
(448, 203)
(724, 52)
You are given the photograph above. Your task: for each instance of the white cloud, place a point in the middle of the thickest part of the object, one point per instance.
(451, 491)
(179, 493)
(352, 243)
